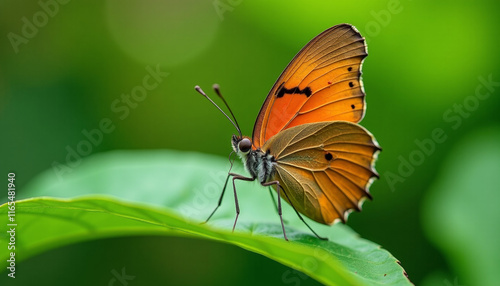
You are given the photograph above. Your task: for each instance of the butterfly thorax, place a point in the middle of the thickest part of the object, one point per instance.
(258, 163)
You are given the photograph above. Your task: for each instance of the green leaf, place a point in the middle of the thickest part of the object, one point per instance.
(170, 193)
(460, 212)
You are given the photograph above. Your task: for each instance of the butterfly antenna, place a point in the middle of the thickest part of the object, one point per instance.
(216, 88)
(199, 90)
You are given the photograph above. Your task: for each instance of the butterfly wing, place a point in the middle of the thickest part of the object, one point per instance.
(325, 168)
(321, 83)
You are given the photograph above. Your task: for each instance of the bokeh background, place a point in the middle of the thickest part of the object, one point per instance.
(432, 80)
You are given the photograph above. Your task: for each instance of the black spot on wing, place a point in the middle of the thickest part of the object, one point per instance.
(328, 156)
(282, 90)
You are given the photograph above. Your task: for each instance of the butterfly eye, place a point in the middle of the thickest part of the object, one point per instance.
(245, 145)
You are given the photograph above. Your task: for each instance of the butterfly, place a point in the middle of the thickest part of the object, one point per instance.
(306, 142)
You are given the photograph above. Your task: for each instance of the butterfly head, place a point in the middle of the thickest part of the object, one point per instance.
(241, 145)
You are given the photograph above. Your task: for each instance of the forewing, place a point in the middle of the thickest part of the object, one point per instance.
(326, 168)
(321, 83)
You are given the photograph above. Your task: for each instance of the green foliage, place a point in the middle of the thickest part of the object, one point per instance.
(135, 187)
(461, 214)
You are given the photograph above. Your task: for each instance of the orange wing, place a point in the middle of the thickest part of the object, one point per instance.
(321, 83)
(325, 168)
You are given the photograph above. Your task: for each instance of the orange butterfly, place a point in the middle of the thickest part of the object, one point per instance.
(306, 143)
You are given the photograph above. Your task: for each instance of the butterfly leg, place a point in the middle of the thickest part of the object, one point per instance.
(243, 178)
(223, 189)
(220, 199)
(274, 202)
(272, 198)
(279, 204)
(320, 237)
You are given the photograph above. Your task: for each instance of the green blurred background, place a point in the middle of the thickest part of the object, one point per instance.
(431, 79)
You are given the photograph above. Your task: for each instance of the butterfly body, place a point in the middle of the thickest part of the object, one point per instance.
(260, 164)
